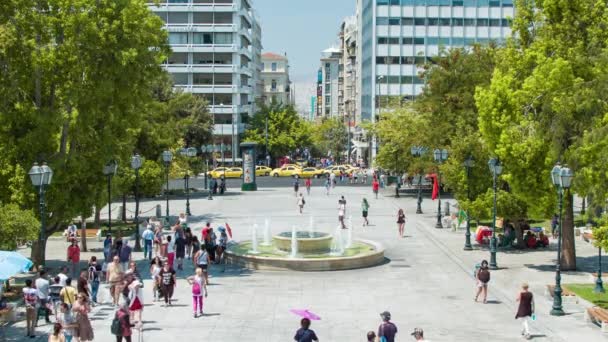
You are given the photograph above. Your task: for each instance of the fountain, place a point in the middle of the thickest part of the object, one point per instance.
(294, 243)
(337, 245)
(254, 240)
(266, 233)
(311, 225)
(349, 235)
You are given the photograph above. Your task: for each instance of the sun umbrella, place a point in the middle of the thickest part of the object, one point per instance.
(12, 263)
(306, 314)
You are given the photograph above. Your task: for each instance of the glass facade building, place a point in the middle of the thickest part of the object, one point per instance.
(397, 36)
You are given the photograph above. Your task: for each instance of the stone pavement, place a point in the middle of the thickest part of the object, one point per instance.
(427, 282)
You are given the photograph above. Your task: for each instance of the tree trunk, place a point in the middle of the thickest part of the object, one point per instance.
(519, 234)
(83, 233)
(38, 251)
(124, 207)
(568, 262)
(98, 217)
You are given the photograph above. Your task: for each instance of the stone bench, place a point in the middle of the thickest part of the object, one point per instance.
(89, 232)
(597, 316)
(567, 296)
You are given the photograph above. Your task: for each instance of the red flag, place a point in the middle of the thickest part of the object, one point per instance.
(435, 187)
(229, 230)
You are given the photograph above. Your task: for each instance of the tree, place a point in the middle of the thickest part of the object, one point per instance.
(76, 79)
(547, 89)
(16, 225)
(286, 129)
(331, 136)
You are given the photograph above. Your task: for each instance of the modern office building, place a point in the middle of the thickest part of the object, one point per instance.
(397, 36)
(275, 76)
(216, 55)
(329, 82)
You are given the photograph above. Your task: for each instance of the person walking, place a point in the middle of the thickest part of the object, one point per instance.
(483, 277)
(201, 260)
(136, 300)
(170, 251)
(54, 294)
(327, 186)
(525, 310)
(63, 275)
(332, 177)
(308, 184)
(211, 244)
(73, 257)
(81, 309)
(554, 224)
(401, 222)
(122, 324)
(158, 240)
(68, 293)
(375, 187)
(167, 282)
(30, 298)
(67, 321)
(371, 336)
(305, 334)
(196, 246)
(156, 265)
(341, 213)
(43, 287)
(364, 210)
(148, 237)
(296, 185)
(222, 244)
(199, 289)
(82, 285)
(387, 329)
(188, 236)
(56, 335)
(107, 247)
(94, 269)
(180, 249)
(418, 334)
(125, 255)
(115, 278)
(301, 202)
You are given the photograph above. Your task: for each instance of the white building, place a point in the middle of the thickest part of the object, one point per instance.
(330, 82)
(275, 76)
(216, 46)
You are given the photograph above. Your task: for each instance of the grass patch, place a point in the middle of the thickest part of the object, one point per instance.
(585, 291)
(123, 228)
(358, 248)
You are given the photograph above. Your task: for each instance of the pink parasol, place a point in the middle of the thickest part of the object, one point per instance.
(306, 314)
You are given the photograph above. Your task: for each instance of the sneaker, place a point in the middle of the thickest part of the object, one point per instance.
(195, 316)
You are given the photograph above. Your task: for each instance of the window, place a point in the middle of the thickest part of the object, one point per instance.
(407, 21)
(407, 60)
(177, 18)
(407, 40)
(178, 38)
(419, 41)
(381, 2)
(273, 85)
(202, 38)
(222, 38)
(327, 100)
(273, 67)
(494, 3)
(482, 22)
(180, 79)
(419, 21)
(495, 22)
(178, 58)
(457, 21)
(506, 22)
(469, 22)
(382, 21)
(445, 21)
(394, 21)
(433, 21)
(327, 87)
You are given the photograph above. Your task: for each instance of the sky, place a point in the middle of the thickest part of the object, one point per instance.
(302, 29)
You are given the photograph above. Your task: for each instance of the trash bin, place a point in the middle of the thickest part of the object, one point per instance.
(390, 180)
(159, 211)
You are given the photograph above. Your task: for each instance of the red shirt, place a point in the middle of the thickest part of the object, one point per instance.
(308, 183)
(205, 232)
(375, 185)
(74, 253)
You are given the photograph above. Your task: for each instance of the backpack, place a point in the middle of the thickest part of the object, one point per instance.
(196, 288)
(475, 269)
(116, 327)
(484, 275)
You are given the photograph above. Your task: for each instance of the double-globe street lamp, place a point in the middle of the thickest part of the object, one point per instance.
(562, 179)
(599, 285)
(417, 152)
(109, 170)
(440, 156)
(468, 164)
(496, 169)
(167, 158)
(189, 152)
(136, 162)
(41, 177)
(207, 150)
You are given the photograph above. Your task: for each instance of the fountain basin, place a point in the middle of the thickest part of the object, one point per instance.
(363, 253)
(308, 242)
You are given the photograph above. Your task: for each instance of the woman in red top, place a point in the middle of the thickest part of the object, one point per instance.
(308, 184)
(74, 257)
(375, 187)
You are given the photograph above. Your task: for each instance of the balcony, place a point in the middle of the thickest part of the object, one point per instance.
(226, 129)
(229, 109)
(201, 27)
(201, 68)
(204, 47)
(191, 7)
(208, 88)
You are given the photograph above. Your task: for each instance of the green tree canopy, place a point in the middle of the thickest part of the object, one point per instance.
(330, 135)
(16, 225)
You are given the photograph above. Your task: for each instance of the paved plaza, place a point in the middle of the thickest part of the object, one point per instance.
(426, 282)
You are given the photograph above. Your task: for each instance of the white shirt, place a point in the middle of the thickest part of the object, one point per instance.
(62, 279)
(43, 288)
(148, 234)
(171, 246)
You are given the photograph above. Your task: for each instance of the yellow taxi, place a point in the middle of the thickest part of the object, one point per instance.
(227, 172)
(286, 171)
(234, 172)
(335, 170)
(217, 172)
(293, 165)
(311, 172)
(350, 168)
(261, 170)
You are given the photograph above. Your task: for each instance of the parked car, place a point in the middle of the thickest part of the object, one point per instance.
(311, 172)
(261, 170)
(286, 171)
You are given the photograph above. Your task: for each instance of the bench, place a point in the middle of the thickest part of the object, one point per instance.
(597, 316)
(567, 295)
(587, 237)
(90, 232)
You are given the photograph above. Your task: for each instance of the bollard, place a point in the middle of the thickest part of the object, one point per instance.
(159, 211)
(447, 208)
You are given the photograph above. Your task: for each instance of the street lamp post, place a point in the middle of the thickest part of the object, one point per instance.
(440, 156)
(167, 158)
(561, 178)
(599, 285)
(207, 149)
(41, 177)
(136, 163)
(418, 151)
(469, 163)
(496, 169)
(109, 170)
(189, 152)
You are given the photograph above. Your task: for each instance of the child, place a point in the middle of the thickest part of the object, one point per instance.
(301, 202)
(199, 288)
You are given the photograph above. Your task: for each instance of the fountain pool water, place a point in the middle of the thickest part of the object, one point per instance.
(337, 245)
(349, 234)
(294, 243)
(254, 240)
(267, 241)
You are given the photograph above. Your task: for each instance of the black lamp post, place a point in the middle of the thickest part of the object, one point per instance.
(136, 163)
(167, 158)
(440, 156)
(469, 163)
(496, 169)
(41, 177)
(599, 285)
(189, 152)
(109, 170)
(562, 179)
(418, 151)
(207, 149)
